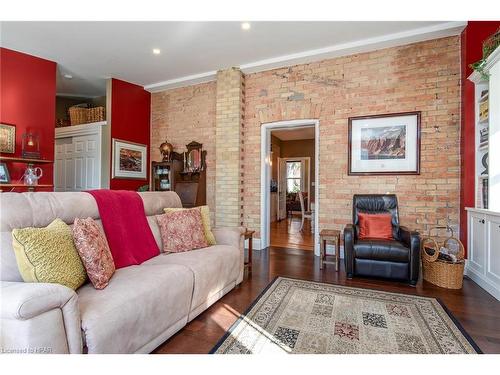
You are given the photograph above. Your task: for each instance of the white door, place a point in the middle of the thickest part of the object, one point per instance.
(477, 251)
(77, 163)
(281, 189)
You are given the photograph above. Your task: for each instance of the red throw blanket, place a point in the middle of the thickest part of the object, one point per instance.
(129, 236)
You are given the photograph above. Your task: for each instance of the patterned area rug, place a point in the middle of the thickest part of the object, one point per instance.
(296, 316)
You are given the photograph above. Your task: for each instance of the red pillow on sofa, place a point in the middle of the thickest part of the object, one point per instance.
(375, 226)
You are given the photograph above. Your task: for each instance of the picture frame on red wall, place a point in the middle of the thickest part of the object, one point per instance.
(7, 138)
(4, 174)
(129, 160)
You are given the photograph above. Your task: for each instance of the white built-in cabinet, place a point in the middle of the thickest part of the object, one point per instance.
(483, 220)
(81, 157)
(483, 263)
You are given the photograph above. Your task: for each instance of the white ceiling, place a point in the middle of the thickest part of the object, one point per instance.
(192, 52)
(294, 134)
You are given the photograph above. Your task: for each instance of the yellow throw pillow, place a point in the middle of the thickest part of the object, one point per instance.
(205, 220)
(48, 255)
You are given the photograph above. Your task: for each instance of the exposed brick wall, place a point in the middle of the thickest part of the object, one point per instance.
(229, 126)
(183, 115)
(418, 77)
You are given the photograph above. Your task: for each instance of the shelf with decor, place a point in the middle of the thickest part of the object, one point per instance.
(481, 139)
(9, 187)
(483, 220)
(32, 173)
(24, 160)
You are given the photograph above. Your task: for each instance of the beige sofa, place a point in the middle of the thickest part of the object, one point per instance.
(140, 308)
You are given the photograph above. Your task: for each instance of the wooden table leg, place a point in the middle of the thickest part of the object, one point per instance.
(337, 254)
(250, 246)
(321, 253)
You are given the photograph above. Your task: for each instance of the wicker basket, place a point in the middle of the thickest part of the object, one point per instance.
(78, 115)
(96, 114)
(81, 115)
(440, 272)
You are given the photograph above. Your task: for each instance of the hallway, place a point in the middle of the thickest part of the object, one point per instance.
(285, 233)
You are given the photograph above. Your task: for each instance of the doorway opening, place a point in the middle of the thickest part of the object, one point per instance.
(289, 205)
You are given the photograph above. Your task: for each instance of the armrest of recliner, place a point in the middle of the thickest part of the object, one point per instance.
(39, 317)
(349, 239)
(411, 239)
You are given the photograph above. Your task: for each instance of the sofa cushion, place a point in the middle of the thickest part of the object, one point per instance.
(214, 268)
(48, 255)
(377, 249)
(181, 231)
(93, 248)
(205, 221)
(138, 305)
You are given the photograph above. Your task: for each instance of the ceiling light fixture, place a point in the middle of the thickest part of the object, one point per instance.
(68, 76)
(156, 51)
(245, 25)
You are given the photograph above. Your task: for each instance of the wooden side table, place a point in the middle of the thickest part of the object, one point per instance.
(249, 237)
(329, 235)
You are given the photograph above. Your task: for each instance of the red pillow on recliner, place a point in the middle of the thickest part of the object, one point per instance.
(375, 226)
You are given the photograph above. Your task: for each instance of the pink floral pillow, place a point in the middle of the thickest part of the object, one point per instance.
(93, 248)
(181, 231)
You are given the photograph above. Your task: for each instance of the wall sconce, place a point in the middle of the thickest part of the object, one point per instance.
(30, 146)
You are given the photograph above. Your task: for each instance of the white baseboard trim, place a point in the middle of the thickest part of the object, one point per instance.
(483, 282)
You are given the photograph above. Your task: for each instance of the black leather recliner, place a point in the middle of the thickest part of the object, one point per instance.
(395, 259)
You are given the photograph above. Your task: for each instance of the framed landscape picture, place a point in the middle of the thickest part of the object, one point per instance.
(384, 144)
(7, 138)
(129, 160)
(4, 174)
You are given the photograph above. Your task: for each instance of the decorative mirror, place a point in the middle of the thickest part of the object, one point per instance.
(194, 157)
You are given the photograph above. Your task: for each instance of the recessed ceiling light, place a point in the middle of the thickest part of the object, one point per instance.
(156, 51)
(68, 76)
(245, 25)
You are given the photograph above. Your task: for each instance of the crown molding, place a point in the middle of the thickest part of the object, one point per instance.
(359, 46)
(344, 49)
(191, 80)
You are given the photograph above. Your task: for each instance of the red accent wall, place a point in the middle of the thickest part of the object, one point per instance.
(471, 47)
(28, 101)
(130, 121)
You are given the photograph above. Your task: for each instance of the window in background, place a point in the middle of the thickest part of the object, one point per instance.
(293, 176)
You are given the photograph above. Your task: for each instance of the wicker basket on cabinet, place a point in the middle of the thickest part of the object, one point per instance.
(96, 114)
(82, 115)
(445, 274)
(78, 115)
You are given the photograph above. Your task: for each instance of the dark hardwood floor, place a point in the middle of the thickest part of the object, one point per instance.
(477, 311)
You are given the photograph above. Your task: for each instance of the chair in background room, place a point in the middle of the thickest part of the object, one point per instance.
(305, 214)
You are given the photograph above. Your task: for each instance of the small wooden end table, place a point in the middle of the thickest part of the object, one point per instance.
(329, 235)
(249, 237)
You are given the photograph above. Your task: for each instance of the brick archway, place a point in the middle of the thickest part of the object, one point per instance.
(283, 111)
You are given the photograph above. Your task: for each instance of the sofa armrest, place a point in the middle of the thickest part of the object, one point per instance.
(229, 236)
(411, 239)
(349, 238)
(39, 316)
(233, 236)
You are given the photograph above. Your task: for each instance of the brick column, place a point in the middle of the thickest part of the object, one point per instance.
(228, 145)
